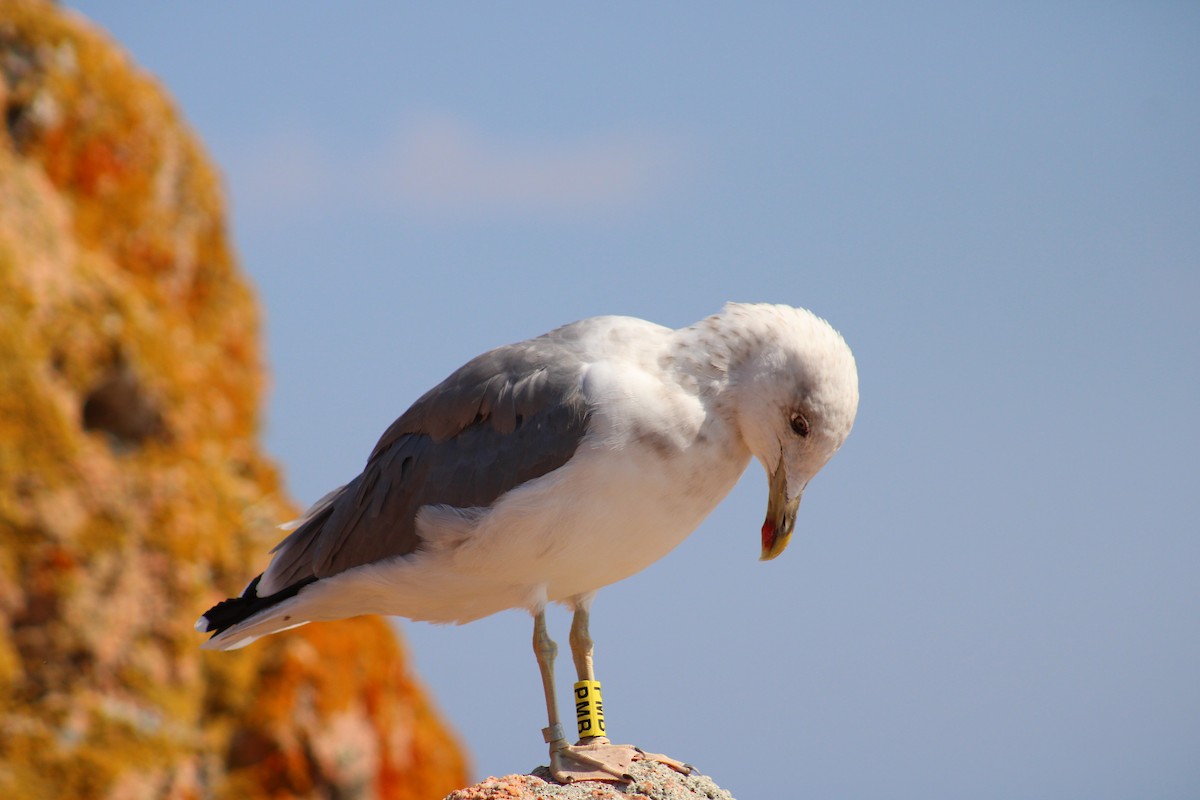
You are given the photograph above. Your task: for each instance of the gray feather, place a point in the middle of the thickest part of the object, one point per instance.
(505, 418)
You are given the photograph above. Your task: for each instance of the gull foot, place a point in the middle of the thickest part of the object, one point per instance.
(594, 759)
(597, 759)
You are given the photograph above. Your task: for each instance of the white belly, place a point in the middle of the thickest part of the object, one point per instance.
(597, 520)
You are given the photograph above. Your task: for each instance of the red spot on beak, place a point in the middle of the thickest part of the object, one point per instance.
(768, 535)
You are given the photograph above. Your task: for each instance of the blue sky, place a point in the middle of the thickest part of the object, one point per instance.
(993, 590)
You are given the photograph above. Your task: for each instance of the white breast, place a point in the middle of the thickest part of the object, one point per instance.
(653, 465)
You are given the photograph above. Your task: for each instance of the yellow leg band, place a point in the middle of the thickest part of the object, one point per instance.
(589, 709)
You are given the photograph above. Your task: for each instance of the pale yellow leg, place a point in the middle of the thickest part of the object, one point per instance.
(581, 646)
(546, 651)
(570, 763)
(581, 653)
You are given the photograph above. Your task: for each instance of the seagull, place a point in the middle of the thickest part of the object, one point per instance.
(543, 471)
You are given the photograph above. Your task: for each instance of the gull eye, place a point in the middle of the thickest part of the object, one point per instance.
(799, 424)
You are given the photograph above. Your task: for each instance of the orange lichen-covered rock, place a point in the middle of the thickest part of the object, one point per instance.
(133, 491)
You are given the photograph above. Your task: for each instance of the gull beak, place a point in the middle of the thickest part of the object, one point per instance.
(781, 515)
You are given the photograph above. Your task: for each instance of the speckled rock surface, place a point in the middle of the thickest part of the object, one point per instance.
(651, 781)
(133, 491)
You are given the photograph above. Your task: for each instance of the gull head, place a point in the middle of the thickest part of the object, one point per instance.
(795, 396)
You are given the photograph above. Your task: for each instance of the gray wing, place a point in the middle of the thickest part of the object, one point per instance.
(509, 416)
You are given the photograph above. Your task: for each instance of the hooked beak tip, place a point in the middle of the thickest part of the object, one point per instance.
(775, 536)
(777, 529)
(781, 518)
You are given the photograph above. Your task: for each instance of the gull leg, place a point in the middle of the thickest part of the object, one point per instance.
(582, 653)
(569, 763)
(582, 645)
(546, 651)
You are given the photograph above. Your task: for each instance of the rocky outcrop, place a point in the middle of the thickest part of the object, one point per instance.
(133, 491)
(651, 781)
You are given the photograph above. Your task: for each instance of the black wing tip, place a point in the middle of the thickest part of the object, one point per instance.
(227, 613)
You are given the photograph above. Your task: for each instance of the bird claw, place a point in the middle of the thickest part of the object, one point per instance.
(674, 763)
